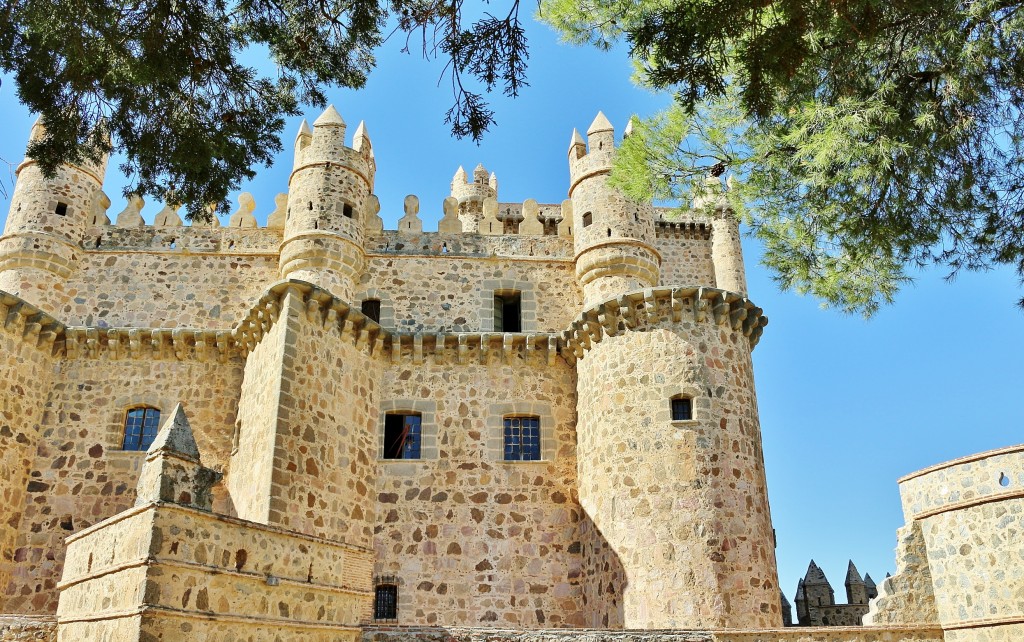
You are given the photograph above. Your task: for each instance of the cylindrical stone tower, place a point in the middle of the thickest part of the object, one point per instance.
(612, 235)
(670, 467)
(329, 189)
(472, 194)
(42, 240)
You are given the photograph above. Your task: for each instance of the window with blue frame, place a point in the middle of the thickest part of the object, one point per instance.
(522, 438)
(402, 436)
(140, 428)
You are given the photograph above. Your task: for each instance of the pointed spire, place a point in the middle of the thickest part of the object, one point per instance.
(600, 124)
(330, 118)
(868, 582)
(361, 138)
(627, 132)
(782, 598)
(853, 575)
(480, 174)
(304, 130)
(577, 146)
(814, 575)
(801, 594)
(460, 176)
(176, 437)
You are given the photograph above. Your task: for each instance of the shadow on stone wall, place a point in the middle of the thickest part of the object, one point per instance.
(603, 578)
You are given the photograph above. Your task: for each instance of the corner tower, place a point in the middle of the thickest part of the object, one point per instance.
(329, 189)
(678, 531)
(41, 243)
(613, 235)
(472, 194)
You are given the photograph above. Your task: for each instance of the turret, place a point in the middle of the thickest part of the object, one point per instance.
(330, 190)
(869, 585)
(726, 251)
(472, 194)
(41, 243)
(817, 588)
(613, 235)
(856, 590)
(803, 615)
(787, 610)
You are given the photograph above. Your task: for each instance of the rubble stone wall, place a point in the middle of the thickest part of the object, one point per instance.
(471, 539)
(79, 474)
(682, 503)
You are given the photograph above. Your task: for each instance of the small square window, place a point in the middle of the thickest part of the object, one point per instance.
(401, 436)
(522, 438)
(508, 311)
(385, 602)
(682, 409)
(140, 428)
(61, 209)
(371, 308)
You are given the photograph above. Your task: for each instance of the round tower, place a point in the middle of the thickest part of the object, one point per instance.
(41, 243)
(329, 189)
(613, 235)
(726, 251)
(670, 467)
(472, 194)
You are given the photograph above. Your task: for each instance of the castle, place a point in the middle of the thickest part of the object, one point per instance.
(816, 599)
(536, 420)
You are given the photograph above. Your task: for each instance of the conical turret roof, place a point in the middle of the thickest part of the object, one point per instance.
(814, 575)
(175, 436)
(853, 575)
(600, 124)
(330, 118)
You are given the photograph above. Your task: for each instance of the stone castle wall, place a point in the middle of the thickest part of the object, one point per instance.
(471, 538)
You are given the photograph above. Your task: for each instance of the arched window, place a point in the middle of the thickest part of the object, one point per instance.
(140, 427)
(522, 438)
(588, 218)
(682, 408)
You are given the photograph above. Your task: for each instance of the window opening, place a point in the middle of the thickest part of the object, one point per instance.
(140, 428)
(62, 209)
(402, 436)
(347, 210)
(522, 438)
(371, 308)
(385, 602)
(682, 409)
(588, 218)
(508, 311)
(609, 232)
(311, 206)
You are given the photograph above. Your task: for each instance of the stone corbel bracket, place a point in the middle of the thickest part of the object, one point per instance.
(30, 324)
(643, 308)
(86, 342)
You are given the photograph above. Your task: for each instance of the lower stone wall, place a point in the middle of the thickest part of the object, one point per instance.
(802, 634)
(22, 629)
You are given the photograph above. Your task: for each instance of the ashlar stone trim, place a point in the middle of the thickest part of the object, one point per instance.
(387, 308)
(496, 413)
(427, 409)
(700, 404)
(527, 302)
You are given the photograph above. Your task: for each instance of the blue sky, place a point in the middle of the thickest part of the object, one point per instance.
(847, 405)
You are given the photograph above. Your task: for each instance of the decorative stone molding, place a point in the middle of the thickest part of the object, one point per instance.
(88, 342)
(652, 305)
(30, 323)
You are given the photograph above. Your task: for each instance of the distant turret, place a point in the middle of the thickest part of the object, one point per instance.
(856, 590)
(472, 194)
(803, 615)
(330, 190)
(41, 243)
(787, 609)
(817, 588)
(869, 585)
(613, 235)
(726, 250)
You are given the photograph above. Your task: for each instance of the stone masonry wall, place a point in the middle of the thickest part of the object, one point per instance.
(26, 373)
(434, 293)
(250, 475)
(473, 540)
(971, 515)
(324, 455)
(27, 629)
(683, 504)
(685, 259)
(79, 476)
